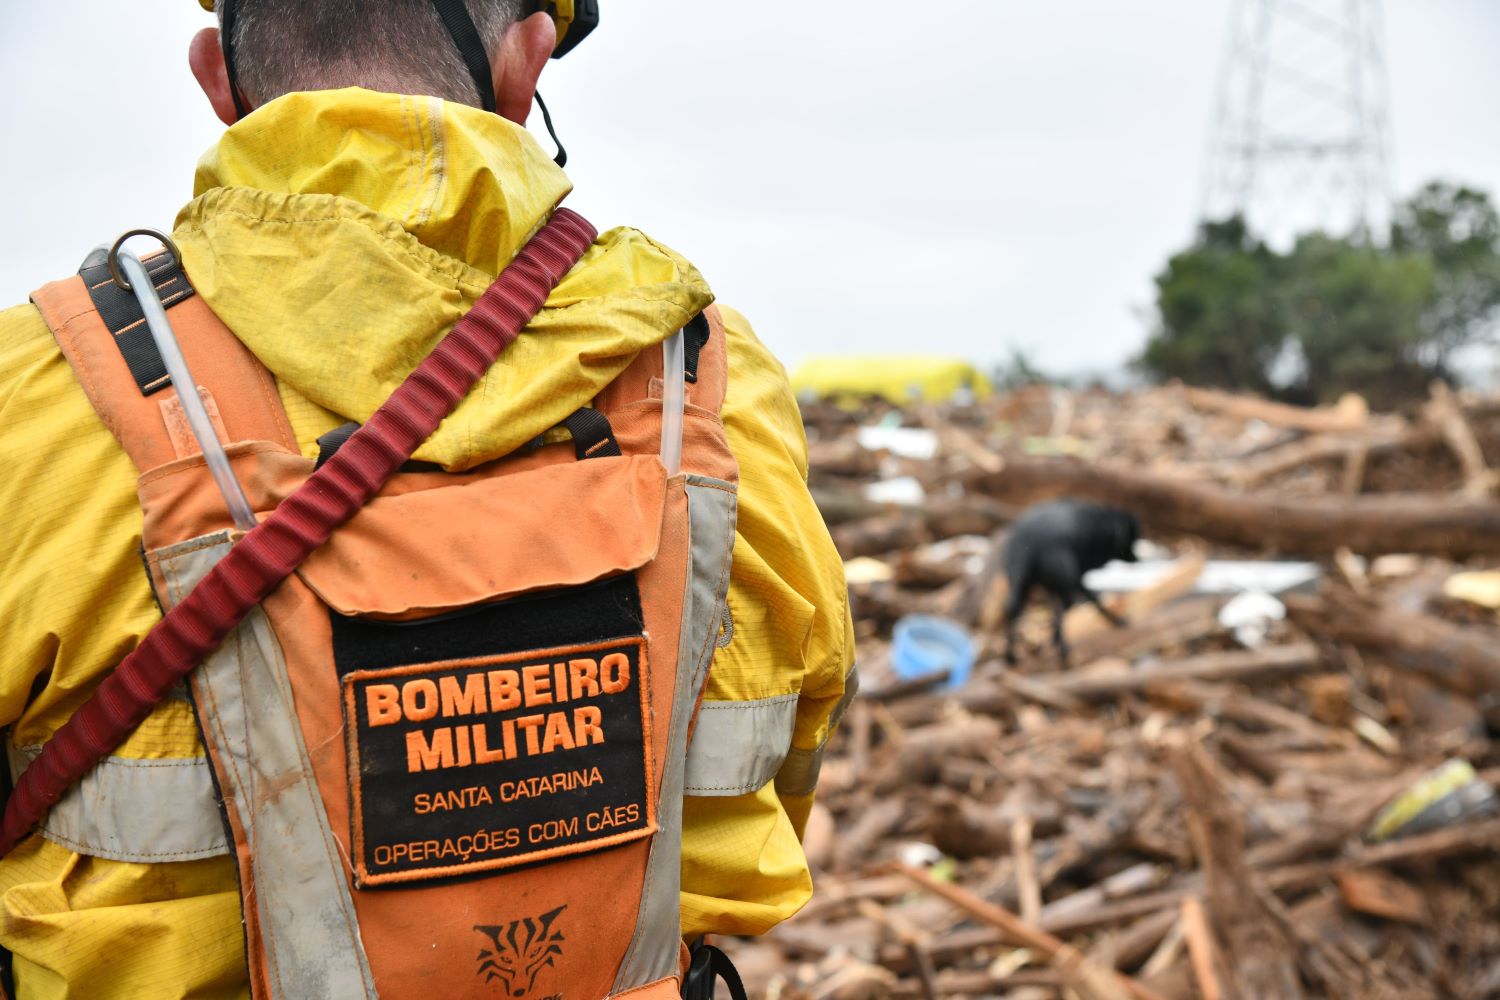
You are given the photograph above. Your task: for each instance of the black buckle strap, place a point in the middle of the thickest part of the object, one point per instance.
(465, 36)
(694, 339)
(593, 437)
(709, 965)
(122, 314)
(330, 443)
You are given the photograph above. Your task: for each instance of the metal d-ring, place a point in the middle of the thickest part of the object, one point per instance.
(156, 234)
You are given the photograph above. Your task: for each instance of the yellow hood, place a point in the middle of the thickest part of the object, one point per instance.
(341, 234)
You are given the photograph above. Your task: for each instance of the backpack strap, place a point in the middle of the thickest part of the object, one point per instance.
(707, 368)
(258, 563)
(103, 334)
(708, 362)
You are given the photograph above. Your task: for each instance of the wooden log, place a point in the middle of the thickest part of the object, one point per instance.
(1324, 966)
(1203, 950)
(1028, 886)
(944, 949)
(968, 515)
(858, 842)
(1238, 665)
(1234, 704)
(855, 980)
(1393, 437)
(1043, 694)
(1175, 624)
(1350, 414)
(877, 535)
(1262, 964)
(1169, 951)
(1356, 465)
(860, 528)
(842, 457)
(984, 984)
(1462, 658)
(1369, 525)
(1133, 880)
(956, 440)
(1085, 620)
(906, 687)
(979, 593)
(913, 941)
(1468, 838)
(1136, 945)
(1334, 448)
(1262, 765)
(925, 750)
(1089, 980)
(1444, 411)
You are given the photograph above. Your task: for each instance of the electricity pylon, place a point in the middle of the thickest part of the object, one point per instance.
(1301, 136)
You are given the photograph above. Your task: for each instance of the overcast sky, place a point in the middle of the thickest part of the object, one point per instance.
(909, 180)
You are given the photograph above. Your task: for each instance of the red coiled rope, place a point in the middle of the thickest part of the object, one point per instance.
(266, 556)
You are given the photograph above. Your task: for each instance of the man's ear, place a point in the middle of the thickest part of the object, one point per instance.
(518, 64)
(206, 57)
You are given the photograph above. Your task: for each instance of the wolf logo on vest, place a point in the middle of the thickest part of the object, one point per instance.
(523, 948)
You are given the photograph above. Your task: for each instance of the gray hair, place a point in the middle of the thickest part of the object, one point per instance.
(400, 46)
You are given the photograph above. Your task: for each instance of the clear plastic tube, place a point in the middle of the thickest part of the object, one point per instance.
(673, 401)
(187, 391)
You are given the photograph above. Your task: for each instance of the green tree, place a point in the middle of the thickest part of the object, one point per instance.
(1354, 317)
(1354, 314)
(1219, 321)
(1457, 230)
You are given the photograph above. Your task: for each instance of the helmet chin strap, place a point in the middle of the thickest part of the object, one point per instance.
(461, 27)
(465, 35)
(226, 41)
(561, 159)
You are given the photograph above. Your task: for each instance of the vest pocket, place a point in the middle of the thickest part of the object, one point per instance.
(427, 553)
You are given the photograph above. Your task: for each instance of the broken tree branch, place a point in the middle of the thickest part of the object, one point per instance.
(1369, 525)
(1084, 976)
(1463, 658)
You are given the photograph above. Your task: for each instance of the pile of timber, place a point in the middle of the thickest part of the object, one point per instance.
(1175, 815)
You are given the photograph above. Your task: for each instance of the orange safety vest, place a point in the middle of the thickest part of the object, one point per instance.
(450, 749)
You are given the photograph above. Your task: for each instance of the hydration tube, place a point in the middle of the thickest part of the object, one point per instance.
(673, 401)
(144, 289)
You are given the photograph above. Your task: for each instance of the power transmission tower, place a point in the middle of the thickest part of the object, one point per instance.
(1301, 137)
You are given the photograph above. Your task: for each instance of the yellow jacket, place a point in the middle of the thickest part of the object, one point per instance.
(340, 234)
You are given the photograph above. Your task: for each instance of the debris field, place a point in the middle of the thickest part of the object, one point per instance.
(1275, 780)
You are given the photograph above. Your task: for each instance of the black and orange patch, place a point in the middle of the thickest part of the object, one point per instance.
(485, 763)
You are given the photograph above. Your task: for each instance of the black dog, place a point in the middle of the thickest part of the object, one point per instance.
(1051, 546)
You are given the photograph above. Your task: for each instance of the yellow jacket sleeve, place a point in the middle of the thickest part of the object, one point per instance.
(73, 601)
(743, 870)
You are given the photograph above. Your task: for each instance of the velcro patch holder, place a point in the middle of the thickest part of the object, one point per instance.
(473, 766)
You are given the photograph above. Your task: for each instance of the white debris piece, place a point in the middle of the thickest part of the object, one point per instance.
(916, 443)
(1219, 576)
(903, 490)
(1250, 617)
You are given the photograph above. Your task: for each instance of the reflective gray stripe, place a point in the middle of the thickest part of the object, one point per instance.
(143, 811)
(306, 915)
(799, 775)
(654, 951)
(740, 745)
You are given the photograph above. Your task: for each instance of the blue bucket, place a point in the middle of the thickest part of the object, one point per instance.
(922, 645)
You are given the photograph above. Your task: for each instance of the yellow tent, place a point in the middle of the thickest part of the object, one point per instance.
(897, 378)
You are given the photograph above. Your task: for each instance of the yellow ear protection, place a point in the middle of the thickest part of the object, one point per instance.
(575, 20)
